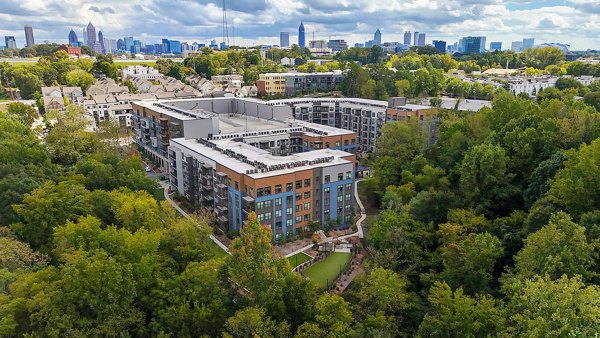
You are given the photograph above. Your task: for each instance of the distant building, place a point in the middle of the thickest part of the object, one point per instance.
(97, 47)
(128, 44)
(140, 72)
(284, 39)
(495, 46)
(440, 45)
(337, 45)
(317, 44)
(110, 46)
(213, 45)
(91, 35)
(377, 37)
(421, 41)
(290, 84)
(71, 50)
(10, 42)
(73, 40)
(29, 36)
(472, 44)
(359, 45)
(101, 41)
(562, 46)
(85, 42)
(407, 38)
(516, 46)
(301, 35)
(528, 43)
(415, 38)
(120, 44)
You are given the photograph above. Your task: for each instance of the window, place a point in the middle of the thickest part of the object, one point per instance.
(237, 186)
(337, 143)
(307, 183)
(326, 201)
(348, 186)
(347, 206)
(268, 204)
(340, 188)
(345, 142)
(347, 197)
(340, 198)
(298, 184)
(307, 206)
(327, 179)
(326, 144)
(278, 201)
(326, 190)
(259, 205)
(298, 197)
(278, 213)
(289, 211)
(289, 222)
(348, 175)
(307, 218)
(268, 215)
(289, 199)
(307, 195)
(298, 207)
(340, 176)
(289, 187)
(298, 219)
(278, 188)
(260, 217)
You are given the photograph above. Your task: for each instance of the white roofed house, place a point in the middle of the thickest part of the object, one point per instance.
(51, 92)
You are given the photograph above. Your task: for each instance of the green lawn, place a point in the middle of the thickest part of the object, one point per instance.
(325, 271)
(298, 259)
(135, 62)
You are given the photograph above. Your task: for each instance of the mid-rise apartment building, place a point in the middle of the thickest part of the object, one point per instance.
(290, 84)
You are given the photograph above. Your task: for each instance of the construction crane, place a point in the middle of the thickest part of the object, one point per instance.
(225, 29)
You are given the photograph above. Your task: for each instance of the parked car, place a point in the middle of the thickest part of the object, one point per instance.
(147, 169)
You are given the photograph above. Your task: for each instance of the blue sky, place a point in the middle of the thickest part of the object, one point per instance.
(576, 22)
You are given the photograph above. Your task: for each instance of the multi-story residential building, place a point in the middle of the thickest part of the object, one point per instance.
(140, 72)
(29, 40)
(284, 39)
(294, 174)
(530, 85)
(290, 84)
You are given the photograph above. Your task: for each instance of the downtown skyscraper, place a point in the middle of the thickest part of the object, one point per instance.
(301, 35)
(29, 41)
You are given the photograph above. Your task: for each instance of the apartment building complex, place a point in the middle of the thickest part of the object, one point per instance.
(290, 84)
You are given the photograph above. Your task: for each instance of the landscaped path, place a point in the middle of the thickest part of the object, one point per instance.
(359, 229)
(182, 212)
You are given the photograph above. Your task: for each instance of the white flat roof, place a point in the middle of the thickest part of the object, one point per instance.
(181, 114)
(333, 157)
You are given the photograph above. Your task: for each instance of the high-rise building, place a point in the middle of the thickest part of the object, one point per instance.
(415, 38)
(421, 39)
(495, 46)
(137, 47)
(73, 40)
(29, 36)
(528, 43)
(128, 43)
(472, 44)
(440, 45)
(284, 39)
(91, 35)
(174, 46)
(120, 44)
(377, 37)
(407, 38)
(10, 42)
(85, 42)
(110, 45)
(516, 46)
(301, 35)
(101, 41)
(165, 43)
(337, 45)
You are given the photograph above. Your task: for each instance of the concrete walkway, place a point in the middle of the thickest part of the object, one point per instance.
(165, 187)
(359, 229)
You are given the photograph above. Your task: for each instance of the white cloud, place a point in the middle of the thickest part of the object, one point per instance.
(260, 21)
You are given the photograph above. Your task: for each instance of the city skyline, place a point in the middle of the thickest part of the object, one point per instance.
(259, 22)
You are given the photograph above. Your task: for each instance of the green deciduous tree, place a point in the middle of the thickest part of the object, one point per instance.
(79, 78)
(252, 322)
(454, 314)
(559, 248)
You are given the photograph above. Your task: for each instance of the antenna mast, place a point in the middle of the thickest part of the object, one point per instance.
(225, 30)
